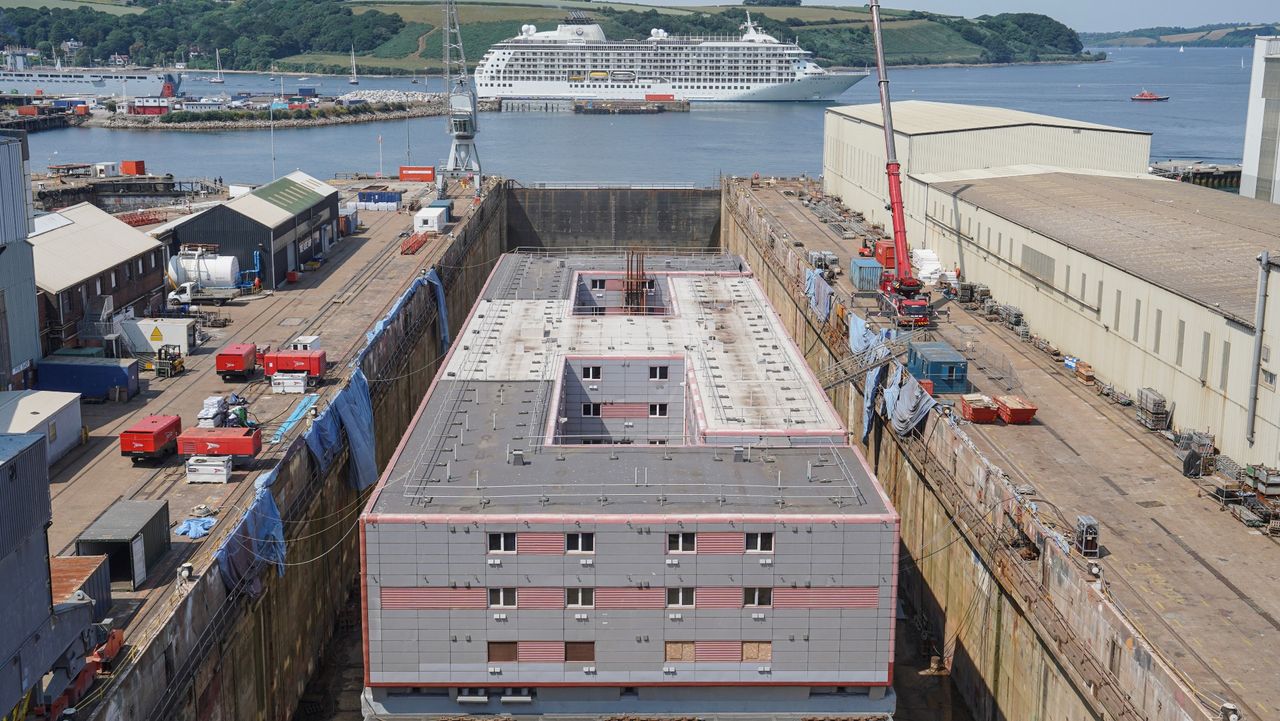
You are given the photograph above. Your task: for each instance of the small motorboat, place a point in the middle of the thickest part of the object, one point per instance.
(1146, 96)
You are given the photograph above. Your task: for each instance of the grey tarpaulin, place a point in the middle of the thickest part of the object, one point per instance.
(892, 390)
(872, 386)
(355, 410)
(860, 336)
(912, 405)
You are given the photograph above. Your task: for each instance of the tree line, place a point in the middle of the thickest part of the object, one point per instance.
(249, 33)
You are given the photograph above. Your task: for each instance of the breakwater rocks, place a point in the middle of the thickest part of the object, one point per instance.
(378, 105)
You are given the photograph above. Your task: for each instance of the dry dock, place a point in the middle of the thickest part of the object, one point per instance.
(1206, 607)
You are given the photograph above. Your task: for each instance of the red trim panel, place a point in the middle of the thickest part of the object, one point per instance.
(730, 597)
(551, 544)
(724, 651)
(547, 599)
(868, 597)
(414, 599)
(540, 651)
(620, 598)
(728, 542)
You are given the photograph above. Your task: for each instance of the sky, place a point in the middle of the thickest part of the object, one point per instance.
(1080, 15)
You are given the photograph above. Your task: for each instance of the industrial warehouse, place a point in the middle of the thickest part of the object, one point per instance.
(273, 229)
(652, 503)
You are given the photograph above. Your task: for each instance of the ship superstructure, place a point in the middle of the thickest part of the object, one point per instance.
(577, 61)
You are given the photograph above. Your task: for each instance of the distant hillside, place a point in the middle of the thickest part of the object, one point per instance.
(1224, 35)
(403, 36)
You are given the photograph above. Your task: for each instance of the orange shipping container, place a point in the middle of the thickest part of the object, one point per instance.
(655, 97)
(28, 110)
(418, 173)
(133, 167)
(82, 110)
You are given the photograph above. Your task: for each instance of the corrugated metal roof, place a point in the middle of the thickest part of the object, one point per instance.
(92, 241)
(68, 574)
(1162, 231)
(922, 117)
(27, 411)
(280, 200)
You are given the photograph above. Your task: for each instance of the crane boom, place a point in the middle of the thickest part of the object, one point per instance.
(904, 282)
(460, 100)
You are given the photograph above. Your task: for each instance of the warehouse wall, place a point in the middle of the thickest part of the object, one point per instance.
(853, 156)
(18, 305)
(1262, 124)
(1134, 333)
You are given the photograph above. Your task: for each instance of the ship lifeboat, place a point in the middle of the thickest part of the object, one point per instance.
(622, 76)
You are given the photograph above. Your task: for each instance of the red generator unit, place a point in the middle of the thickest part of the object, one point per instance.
(151, 437)
(236, 361)
(311, 362)
(235, 442)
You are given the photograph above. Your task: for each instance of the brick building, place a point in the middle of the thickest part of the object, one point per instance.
(89, 264)
(625, 493)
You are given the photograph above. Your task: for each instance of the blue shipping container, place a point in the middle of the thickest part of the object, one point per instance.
(307, 92)
(448, 208)
(90, 377)
(940, 363)
(865, 274)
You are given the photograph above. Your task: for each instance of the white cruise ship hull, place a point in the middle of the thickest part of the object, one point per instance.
(815, 88)
(62, 83)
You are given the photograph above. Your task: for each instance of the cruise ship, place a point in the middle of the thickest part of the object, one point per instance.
(577, 62)
(15, 79)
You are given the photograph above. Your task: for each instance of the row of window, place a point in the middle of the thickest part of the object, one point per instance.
(592, 410)
(109, 282)
(675, 651)
(595, 373)
(685, 542)
(585, 597)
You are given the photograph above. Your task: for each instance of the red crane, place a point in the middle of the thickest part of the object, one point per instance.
(900, 291)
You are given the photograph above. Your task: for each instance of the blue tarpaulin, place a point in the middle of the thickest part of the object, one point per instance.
(257, 536)
(298, 414)
(355, 409)
(860, 336)
(892, 390)
(442, 310)
(324, 438)
(194, 527)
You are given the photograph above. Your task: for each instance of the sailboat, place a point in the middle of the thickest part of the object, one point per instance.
(272, 77)
(416, 81)
(217, 58)
(1181, 49)
(355, 78)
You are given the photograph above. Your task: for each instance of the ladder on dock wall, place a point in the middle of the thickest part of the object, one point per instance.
(853, 366)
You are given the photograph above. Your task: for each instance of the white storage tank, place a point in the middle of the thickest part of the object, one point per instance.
(52, 414)
(207, 269)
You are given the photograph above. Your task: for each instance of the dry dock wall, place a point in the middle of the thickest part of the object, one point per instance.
(211, 655)
(203, 658)
(1025, 634)
(565, 217)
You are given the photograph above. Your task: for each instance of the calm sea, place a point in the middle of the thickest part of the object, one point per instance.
(1204, 120)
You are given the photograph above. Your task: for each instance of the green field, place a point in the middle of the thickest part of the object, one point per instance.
(105, 6)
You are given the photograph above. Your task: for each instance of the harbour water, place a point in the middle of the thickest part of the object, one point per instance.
(1203, 120)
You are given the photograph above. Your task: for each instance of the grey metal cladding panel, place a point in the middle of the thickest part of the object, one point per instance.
(24, 573)
(24, 496)
(716, 565)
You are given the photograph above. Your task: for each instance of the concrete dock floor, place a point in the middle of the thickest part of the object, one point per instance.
(361, 277)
